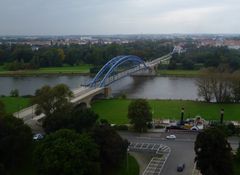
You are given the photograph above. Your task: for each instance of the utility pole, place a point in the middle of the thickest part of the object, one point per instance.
(182, 115)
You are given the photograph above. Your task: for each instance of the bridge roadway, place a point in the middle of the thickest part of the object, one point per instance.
(84, 94)
(79, 95)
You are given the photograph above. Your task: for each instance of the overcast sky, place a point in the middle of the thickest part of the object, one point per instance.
(66, 17)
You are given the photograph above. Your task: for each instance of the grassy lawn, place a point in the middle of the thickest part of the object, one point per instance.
(14, 104)
(82, 69)
(115, 110)
(180, 73)
(2, 69)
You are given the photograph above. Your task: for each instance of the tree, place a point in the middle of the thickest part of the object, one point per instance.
(139, 113)
(67, 153)
(2, 109)
(49, 99)
(213, 153)
(80, 120)
(112, 147)
(187, 64)
(24, 53)
(14, 93)
(237, 157)
(15, 141)
(205, 89)
(59, 119)
(235, 86)
(215, 83)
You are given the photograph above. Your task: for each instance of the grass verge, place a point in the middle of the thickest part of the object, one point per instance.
(115, 110)
(82, 69)
(14, 104)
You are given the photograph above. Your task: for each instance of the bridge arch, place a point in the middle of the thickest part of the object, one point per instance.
(111, 65)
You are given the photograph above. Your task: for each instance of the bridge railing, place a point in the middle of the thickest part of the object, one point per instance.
(123, 74)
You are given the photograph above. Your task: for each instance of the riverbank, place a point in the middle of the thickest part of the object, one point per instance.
(65, 70)
(14, 104)
(115, 110)
(179, 73)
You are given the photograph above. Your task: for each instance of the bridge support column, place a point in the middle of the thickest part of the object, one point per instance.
(107, 92)
(153, 70)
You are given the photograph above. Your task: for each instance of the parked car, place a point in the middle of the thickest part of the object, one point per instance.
(38, 136)
(171, 137)
(180, 167)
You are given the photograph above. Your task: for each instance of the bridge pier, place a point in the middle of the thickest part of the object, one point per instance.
(153, 69)
(86, 99)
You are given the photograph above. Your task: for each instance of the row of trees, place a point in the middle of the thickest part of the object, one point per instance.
(23, 57)
(219, 84)
(207, 57)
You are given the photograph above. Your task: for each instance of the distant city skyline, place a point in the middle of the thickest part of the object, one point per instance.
(111, 17)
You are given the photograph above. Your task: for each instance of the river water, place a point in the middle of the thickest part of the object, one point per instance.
(133, 87)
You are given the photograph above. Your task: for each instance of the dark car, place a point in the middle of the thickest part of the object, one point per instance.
(180, 167)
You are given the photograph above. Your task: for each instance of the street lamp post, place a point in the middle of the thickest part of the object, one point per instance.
(182, 115)
(221, 116)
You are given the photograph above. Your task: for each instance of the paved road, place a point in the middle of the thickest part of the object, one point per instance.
(182, 149)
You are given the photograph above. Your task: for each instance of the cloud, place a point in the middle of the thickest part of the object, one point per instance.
(118, 16)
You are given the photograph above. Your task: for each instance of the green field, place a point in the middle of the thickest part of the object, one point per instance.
(82, 69)
(115, 110)
(14, 104)
(180, 73)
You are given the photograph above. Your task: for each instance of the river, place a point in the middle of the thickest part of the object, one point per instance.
(133, 87)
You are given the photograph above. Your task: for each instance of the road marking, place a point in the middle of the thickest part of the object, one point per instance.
(156, 164)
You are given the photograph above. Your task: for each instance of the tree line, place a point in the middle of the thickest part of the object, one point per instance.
(16, 57)
(219, 84)
(195, 58)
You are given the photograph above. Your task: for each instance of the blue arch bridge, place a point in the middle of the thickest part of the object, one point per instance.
(114, 70)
